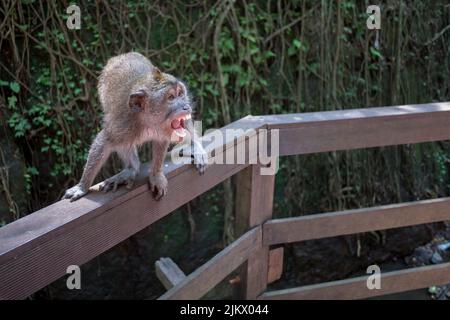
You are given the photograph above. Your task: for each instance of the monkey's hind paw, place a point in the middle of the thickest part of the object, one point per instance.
(74, 193)
(126, 177)
(158, 185)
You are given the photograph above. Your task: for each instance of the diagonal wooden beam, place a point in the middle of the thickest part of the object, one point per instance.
(199, 282)
(168, 272)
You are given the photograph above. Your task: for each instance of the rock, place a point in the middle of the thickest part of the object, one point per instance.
(444, 246)
(422, 255)
(433, 290)
(436, 258)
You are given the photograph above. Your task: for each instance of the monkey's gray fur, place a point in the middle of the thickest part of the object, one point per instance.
(140, 104)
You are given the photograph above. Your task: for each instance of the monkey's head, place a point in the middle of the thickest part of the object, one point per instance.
(162, 102)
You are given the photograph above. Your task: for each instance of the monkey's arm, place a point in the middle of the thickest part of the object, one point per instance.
(198, 153)
(131, 164)
(98, 154)
(157, 179)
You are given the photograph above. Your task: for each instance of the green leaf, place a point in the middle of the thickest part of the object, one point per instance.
(375, 53)
(12, 101)
(270, 54)
(32, 171)
(14, 87)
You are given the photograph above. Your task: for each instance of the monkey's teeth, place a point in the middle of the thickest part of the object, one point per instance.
(187, 117)
(180, 132)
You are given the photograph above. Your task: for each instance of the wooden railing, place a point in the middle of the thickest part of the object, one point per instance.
(37, 249)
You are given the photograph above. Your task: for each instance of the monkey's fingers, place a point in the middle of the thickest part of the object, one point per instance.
(66, 196)
(200, 160)
(160, 192)
(110, 184)
(69, 193)
(152, 187)
(157, 192)
(130, 183)
(105, 186)
(158, 185)
(116, 184)
(76, 196)
(74, 193)
(157, 196)
(201, 168)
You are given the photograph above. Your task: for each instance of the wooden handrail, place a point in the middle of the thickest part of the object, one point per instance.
(43, 224)
(356, 288)
(36, 250)
(361, 128)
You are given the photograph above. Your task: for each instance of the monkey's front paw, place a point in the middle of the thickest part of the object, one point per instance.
(126, 177)
(200, 160)
(158, 185)
(75, 193)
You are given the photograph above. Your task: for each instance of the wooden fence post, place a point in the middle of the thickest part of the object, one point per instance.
(254, 203)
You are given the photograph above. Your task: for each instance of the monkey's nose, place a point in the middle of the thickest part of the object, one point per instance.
(186, 107)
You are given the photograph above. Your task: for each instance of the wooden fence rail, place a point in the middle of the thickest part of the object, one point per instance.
(356, 288)
(355, 221)
(36, 250)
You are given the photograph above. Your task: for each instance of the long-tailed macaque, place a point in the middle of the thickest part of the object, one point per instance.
(140, 104)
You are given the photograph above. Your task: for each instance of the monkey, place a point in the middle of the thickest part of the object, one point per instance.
(140, 104)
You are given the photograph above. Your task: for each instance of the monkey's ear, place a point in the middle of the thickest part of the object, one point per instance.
(157, 75)
(136, 101)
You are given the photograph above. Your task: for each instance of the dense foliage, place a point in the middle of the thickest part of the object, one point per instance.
(239, 58)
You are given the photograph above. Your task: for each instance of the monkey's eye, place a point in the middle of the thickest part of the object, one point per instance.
(171, 97)
(180, 94)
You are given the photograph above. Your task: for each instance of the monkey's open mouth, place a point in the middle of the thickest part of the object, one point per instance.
(178, 125)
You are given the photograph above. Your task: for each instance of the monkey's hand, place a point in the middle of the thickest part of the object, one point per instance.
(158, 185)
(199, 158)
(75, 193)
(126, 176)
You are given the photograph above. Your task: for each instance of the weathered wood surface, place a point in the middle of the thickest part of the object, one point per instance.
(338, 223)
(198, 283)
(356, 288)
(275, 266)
(254, 202)
(361, 128)
(35, 250)
(391, 112)
(39, 226)
(168, 272)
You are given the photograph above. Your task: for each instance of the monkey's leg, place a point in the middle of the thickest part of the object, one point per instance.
(127, 176)
(98, 154)
(198, 153)
(157, 179)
